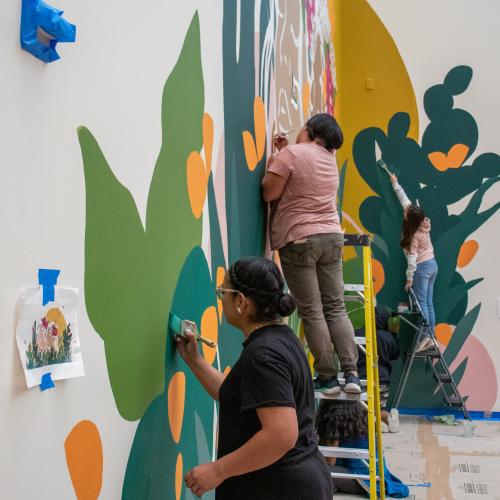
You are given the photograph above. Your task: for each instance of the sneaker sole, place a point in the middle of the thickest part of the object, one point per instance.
(352, 389)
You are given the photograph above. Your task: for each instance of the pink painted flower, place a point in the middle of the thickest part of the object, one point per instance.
(45, 323)
(53, 330)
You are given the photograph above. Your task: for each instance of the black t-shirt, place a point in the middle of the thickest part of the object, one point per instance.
(387, 350)
(271, 371)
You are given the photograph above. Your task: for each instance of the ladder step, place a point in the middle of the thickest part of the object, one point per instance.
(345, 475)
(339, 452)
(444, 378)
(427, 354)
(342, 396)
(455, 401)
(353, 287)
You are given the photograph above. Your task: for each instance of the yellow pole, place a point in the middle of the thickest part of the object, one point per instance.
(378, 417)
(369, 335)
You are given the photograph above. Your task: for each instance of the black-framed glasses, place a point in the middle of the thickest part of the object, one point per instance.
(220, 291)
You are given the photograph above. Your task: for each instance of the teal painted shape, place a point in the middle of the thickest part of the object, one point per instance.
(244, 206)
(150, 470)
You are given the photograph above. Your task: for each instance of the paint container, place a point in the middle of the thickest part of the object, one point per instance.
(468, 428)
(403, 307)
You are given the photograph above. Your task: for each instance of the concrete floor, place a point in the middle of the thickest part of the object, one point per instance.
(457, 467)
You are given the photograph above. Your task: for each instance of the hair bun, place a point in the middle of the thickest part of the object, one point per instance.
(286, 304)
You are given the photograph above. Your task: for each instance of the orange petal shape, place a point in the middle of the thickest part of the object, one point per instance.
(208, 140)
(378, 276)
(250, 151)
(219, 278)
(306, 92)
(444, 333)
(83, 449)
(197, 183)
(209, 329)
(178, 477)
(259, 119)
(176, 399)
(227, 370)
(454, 159)
(467, 252)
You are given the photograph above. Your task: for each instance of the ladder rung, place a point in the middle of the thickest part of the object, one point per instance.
(353, 298)
(455, 401)
(428, 354)
(342, 396)
(354, 287)
(345, 475)
(339, 452)
(356, 240)
(444, 378)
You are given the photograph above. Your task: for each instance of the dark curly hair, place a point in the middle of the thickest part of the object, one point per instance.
(323, 128)
(340, 421)
(260, 280)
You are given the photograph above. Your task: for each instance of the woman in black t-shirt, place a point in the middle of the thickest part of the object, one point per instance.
(267, 444)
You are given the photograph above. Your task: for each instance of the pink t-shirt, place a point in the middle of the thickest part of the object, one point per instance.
(307, 205)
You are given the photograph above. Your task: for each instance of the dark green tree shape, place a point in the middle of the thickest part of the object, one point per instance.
(435, 191)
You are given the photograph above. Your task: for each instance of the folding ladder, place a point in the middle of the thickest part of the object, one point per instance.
(371, 399)
(434, 358)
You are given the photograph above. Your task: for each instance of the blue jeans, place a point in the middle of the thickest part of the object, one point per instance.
(423, 286)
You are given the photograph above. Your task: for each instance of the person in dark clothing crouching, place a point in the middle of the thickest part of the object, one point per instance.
(388, 350)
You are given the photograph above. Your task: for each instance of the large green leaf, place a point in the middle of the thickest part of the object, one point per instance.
(130, 272)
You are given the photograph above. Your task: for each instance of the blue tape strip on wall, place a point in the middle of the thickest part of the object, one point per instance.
(48, 279)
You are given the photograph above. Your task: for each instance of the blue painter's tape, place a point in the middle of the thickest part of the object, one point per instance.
(47, 382)
(431, 412)
(48, 279)
(42, 27)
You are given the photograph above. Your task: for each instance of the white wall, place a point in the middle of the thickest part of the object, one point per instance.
(432, 38)
(110, 80)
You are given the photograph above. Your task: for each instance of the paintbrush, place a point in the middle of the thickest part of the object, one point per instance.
(380, 162)
(286, 132)
(180, 328)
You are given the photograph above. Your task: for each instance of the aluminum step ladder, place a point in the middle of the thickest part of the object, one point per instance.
(370, 399)
(434, 358)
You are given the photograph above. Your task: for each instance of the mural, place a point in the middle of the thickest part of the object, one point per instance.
(436, 174)
(135, 275)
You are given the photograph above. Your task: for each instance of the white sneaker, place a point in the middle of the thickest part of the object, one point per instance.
(394, 420)
(424, 345)
(384, 427)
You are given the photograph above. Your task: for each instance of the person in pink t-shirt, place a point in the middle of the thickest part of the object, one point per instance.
(422, 268)
(301, 184)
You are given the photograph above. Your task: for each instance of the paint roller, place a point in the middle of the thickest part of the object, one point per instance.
(179, 327)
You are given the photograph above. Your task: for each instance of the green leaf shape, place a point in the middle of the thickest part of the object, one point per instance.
(461, 333)
(130, 273)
